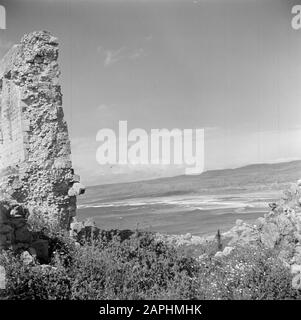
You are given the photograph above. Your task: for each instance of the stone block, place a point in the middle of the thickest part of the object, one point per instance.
(41, 248)
(23, 234)
(269, 235)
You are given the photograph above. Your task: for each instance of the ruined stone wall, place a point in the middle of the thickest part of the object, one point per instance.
(12, 148)
(35, 162)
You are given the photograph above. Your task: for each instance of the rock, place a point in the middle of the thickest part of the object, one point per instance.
(18, 223)
(32, 252)
(42, 249)
(76, 189)
(6, 228)
(20, 246)
(5, 241)
(243, 234)
(19, 211)
(284, 225)
(296, 282)
(269, 235)
(219, 254)
(27, 258)
(295, 268)
(187, 236)
(4, 212)
(239, 222)
(224, 253)
(89, 223)
(227, 251)
(23, 234)
(75, 228)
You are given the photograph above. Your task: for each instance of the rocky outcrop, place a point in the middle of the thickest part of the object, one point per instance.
(279, 230)
(17, 234)
(35, 162)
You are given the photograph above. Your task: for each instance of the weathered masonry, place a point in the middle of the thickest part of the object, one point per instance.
(35, 155)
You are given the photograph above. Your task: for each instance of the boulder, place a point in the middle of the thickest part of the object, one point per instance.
(219, 254)
(284, 224)
(41, 248)
(4, 212)
(296, 282)
(243, 234)
(269, 235)
(27, 258)
(23, 234)
(224, 253)
(295, 268)
(76, 189)
(75, 228)
(6, 228)
(187, 236)
(227, 251)
(239, 222)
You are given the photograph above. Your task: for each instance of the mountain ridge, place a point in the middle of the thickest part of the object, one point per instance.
(207, 172)
(250, 177)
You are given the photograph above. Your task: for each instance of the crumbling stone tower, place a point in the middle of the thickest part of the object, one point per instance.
(35, 155)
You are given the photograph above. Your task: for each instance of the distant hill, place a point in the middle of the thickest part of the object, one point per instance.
(256, 176)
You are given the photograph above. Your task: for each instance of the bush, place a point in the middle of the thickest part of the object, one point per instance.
(138, 268)
(248, 273)
(141, 267)
(37, 283)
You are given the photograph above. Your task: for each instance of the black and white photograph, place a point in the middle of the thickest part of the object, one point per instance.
(150, 150)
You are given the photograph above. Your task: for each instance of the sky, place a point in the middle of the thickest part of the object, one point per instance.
(231, 67)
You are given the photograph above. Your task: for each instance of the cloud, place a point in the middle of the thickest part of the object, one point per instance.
(113, 56)
(137, 54)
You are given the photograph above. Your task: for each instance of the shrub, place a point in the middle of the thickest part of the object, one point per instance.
(137, 268)
(140, 267)
(248, 273)
(37, 283)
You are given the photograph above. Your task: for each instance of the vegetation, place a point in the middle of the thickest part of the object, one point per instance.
(141, 267)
